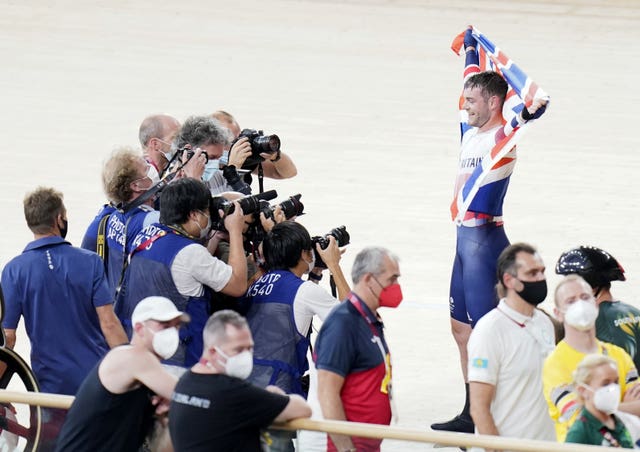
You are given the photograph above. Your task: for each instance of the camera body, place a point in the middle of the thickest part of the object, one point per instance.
(260, 144)
(190, 153)
(342, 239)
(291, 207)
(249, 204)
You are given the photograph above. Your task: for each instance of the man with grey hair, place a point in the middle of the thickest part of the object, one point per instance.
(210, 136)
(213, 407)
(352, 356)
(156, 134)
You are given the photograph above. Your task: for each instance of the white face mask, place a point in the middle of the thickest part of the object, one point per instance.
(204, 231)
(239, 366)
(152, 174)
(581, 315)
(606, 398)
(210, 169)
(312, 264)
(165, 342)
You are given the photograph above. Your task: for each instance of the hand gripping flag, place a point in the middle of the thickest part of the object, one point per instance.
(522, 93)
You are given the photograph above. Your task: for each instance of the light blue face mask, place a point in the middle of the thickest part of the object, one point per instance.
(210, 169)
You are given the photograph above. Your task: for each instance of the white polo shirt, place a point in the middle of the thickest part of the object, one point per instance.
(507, 350)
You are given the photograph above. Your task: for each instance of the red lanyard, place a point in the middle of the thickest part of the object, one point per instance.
(358, 305)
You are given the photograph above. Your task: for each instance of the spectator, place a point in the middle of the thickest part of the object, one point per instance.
(617, 322)
(575, 306)
(51, 284)
(213, 408)
(113, 410)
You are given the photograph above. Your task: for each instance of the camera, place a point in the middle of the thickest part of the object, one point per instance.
(249, 204)
(190, 152)
(260, 143)
(292, 207)
(342, 239)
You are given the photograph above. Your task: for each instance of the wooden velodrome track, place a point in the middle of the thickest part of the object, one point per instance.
(363, 95)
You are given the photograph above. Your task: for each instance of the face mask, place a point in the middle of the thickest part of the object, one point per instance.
(64, 229)
(533, 292)
(204, 231)
(210, 169)
(581, 315)
(239, 366)
(607, 398)
(152, 174)
(165, 342)
(312, 264)
(390, 296)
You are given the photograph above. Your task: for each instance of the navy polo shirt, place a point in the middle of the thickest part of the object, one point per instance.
(347, 346)
(56, 288)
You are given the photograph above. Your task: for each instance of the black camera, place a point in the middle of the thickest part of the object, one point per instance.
(249, 204)
(260, 144)
(291, 207)
(190, 153)
(342, 239)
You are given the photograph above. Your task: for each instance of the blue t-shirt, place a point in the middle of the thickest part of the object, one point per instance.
(57, 288)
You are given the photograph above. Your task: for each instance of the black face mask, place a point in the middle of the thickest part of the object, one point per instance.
(533, 292)
(64, 229)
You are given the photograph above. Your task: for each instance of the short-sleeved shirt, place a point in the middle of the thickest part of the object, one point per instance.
(558, 381)
(347, 346)
(220, 413)
(54, 285)
(507, 350)
(587, 429)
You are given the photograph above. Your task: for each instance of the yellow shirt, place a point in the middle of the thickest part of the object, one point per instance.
(557, 378)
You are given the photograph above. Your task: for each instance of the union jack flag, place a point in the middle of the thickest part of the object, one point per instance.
(496, 166)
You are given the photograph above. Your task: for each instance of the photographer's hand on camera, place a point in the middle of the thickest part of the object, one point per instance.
(239, 152)
(234, 223)
(194, 167)
(331, 256)
(269, 223)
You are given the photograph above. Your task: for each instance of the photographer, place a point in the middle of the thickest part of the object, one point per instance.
(275, 166)
(212, 138)
(156, 134)
(281, 306)
(125, 176)
(169, 259)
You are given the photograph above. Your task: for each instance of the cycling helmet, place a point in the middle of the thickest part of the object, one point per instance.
(596, 266)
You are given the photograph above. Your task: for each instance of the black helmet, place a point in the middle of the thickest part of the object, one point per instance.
(596, 266)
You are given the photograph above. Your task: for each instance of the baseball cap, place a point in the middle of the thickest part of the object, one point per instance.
(160, 309)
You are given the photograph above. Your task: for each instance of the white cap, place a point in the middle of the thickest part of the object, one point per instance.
(160, 309)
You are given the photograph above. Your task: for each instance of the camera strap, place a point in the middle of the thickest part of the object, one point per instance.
(260, 178)
(101, 238)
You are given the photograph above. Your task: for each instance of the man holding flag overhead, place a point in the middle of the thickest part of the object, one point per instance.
(497, 102)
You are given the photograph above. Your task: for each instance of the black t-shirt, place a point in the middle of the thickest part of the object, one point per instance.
(99, 420)
(220, 413)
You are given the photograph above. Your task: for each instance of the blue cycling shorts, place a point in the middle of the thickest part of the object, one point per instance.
(472, 292)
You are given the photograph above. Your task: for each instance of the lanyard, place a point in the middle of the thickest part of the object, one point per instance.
(358, 305)
(386, 386)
